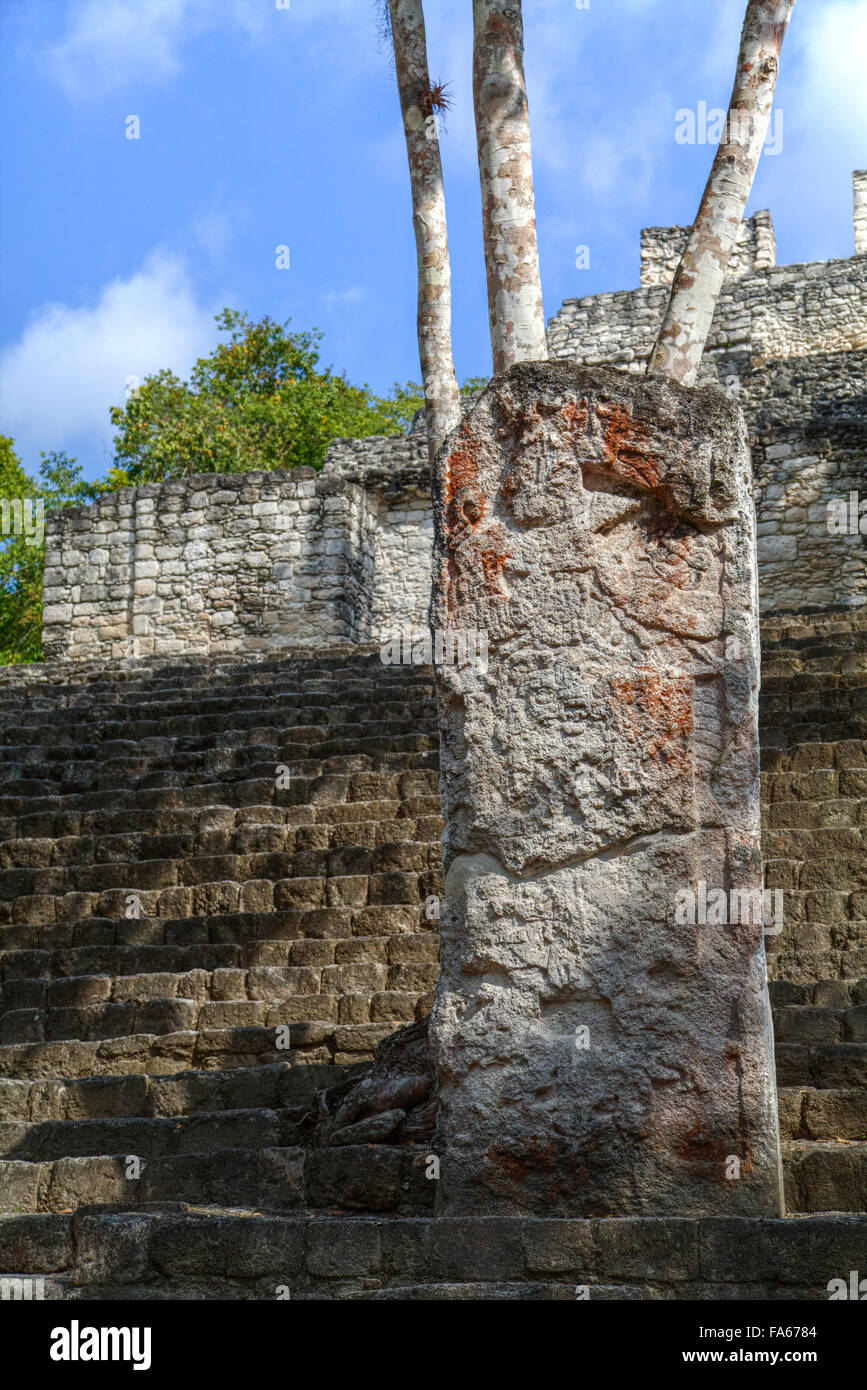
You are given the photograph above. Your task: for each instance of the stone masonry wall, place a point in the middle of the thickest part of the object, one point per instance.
(785, 311)
(223, 563)
(662, 248)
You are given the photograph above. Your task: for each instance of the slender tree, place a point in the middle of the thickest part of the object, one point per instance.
(699, 276)
(420, 102)
(515, 309)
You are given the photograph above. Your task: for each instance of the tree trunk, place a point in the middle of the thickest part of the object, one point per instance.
(515, 309)
(697, 283)
(442, 397)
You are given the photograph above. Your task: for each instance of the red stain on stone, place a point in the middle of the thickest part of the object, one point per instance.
(504, 1172)
(627, 447)
(575, 416)
(462, 468)
(664, 705)
(493, 565)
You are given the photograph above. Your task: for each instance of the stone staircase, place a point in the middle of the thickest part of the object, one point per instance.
(814, 780)
(212, 905)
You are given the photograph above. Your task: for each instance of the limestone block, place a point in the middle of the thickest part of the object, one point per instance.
(595, 1056)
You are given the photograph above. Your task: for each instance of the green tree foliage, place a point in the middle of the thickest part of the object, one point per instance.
(258, 401)
(60, 484)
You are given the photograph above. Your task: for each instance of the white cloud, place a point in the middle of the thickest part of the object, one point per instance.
(352, 295)
(832, 47)
(110, 43)
(70, 364)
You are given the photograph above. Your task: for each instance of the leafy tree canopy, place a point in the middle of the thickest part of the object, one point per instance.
(259, 400)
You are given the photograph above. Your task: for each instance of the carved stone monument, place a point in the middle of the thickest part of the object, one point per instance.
(599, 1052)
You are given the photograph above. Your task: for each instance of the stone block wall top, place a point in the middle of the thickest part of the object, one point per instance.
(241, 562)
(754, 250)
(859, 190)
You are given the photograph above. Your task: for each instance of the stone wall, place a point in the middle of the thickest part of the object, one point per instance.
(808, 418)
(662, 248)
(222, 563)
(859, 190)
(785, 311)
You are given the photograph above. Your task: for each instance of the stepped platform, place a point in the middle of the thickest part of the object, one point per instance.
(215, 886)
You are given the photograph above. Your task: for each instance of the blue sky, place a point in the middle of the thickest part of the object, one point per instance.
(263, 126)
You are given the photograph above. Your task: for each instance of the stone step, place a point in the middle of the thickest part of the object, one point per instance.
(264, 1176)
(815, 756)
(820, 729)
(365, 1000)
(218, 827)
(825, 1175)
(306, 1042)
(818, 940)
(813, 967)
(43, 686)
(407, 947)
(41, 797)
(330, 920)
(222, 751)
(823, 1066)
(54, 923)
(819, 815)
(336, 699)
(267, 983)
(357, 667)
(135, 775)
(812, 678)
(83, 739)
(337, 825)
(806, 1023)
(149, 1137)
(790, 866)
(824, 785)
(168, 715)
(198, 1253)
(820, 1176)
(845, 844)
(112, 699)
(836, 697)
(799, 641)
(342, 701)
(104, 889)
(275, 1086)
(274, 852)
(807, 1113)
(820, 919)
(90, 1008)
(825, 994)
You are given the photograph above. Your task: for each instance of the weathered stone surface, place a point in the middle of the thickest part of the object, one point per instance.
(594, 1056)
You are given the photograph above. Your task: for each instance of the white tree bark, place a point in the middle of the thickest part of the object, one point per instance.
(515, 309)
(697, 283)
(442, 397)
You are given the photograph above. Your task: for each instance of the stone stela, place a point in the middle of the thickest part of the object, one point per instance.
(594, 1057)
